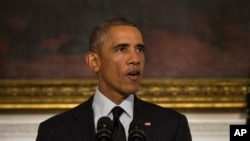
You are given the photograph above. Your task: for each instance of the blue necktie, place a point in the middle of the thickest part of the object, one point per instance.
(118, 130)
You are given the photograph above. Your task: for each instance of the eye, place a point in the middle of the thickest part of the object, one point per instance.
(141, 49)
(121, 48)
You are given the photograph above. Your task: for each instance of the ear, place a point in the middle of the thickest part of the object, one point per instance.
(92, 59)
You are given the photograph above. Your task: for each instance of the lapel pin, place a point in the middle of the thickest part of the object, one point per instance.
(147, 123)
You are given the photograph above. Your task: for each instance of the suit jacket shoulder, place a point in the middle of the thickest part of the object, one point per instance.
(74, 124)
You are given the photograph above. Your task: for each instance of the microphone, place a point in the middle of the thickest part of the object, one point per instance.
(135, 132)
(104, 129)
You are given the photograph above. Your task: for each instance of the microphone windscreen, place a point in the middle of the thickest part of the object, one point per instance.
(136, 132)
(135, 125)
(104, 122)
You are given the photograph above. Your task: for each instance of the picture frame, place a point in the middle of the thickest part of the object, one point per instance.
(187, 95)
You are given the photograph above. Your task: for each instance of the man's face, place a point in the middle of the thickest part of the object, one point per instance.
(121, 61)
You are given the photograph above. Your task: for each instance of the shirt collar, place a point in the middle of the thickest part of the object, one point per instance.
(102, 105)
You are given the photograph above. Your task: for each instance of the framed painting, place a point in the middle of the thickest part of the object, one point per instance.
(197, 52)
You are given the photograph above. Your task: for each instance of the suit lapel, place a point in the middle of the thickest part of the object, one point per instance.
(83, 128)
(141, 112)
(143, 115)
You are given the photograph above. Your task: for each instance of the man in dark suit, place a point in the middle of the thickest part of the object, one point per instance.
(116, 54)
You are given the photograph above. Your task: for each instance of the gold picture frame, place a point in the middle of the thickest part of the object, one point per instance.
(193, 95)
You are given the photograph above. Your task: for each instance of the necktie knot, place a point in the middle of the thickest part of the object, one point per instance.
(117, 111)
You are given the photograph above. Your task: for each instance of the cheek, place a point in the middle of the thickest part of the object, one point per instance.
(143, 59)
(115, 69)
(113, 64)
(110, 66)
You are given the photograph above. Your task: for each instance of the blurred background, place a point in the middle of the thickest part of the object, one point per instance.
(45, 39)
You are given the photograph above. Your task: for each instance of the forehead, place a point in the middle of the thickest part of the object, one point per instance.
(124, 31)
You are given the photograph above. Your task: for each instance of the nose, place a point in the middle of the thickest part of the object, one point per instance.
(135, 58)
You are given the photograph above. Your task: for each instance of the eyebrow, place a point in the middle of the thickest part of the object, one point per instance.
(125, 45)
(122, 44)
(140, 45)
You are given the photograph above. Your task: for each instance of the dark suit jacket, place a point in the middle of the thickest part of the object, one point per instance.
(77, 124)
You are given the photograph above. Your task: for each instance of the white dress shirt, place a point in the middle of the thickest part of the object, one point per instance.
(102, 106)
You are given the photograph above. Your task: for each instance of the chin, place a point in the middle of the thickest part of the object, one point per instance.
(128, 89)
(132, 90)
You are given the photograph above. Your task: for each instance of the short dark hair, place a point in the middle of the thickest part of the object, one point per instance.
(100, 30)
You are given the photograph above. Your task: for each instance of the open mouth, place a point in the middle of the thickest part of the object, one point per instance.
(134, 75)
